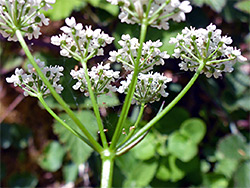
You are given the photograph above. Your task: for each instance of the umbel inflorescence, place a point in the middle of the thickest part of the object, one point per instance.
(159, 11)
(23, 15)
(32, 84)
(194, 46)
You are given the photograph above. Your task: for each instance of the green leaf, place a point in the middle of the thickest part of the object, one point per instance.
(194, 129)
(63, 8)
(6, 137)
(176, 172)
(216, 5)
(103, 4)
(231, 147)
(244, 6)
(94, 2)
(226, 167)
(241, 177)
(52, 157)
(146, 148)
(163, 173)
(141, 174)
(14, 135)
(182, 147)
(23, 180)
(79, 151)
(170, 170)
(103, 101)
(172, 120)
(215, 181)
(70, 172)
(198, 2)
(126, 163)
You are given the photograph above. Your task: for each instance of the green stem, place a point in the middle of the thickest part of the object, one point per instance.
(219, 61)
(196, 58)
(62, 122)
(107, 169)
(143, 130)
(55, 94)
(131, 90)
(135, 125)
(94, 104)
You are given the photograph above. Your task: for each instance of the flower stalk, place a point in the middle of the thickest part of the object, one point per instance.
(143, 130)
(96, 145)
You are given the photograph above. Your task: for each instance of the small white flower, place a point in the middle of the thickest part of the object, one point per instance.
(161, 19)
(195, 45)
(149, 88)
(101, 77)
(31, 83)
(75, 39)
(29, 19)
(151, 54)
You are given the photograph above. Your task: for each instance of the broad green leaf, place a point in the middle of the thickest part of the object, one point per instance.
(6, 137)
(52, 157)
(176, 172)
(182, 147)
(226, 167)
(216, 5)
(63, 8)
(103, 101)
(103, 4)
(112, 9)
(141, 174)
(194, 129)
(14, 135)
(163, 173)
(231, 147)
(198, 2)
(244, 102)
(146, 148)
(205, 166)
(215, 181)
(244, 6)
(170, 170)
(78, 150)
(241, 177)
(70, 172)
(94, 2)
(11, 63)
(25, 179)
(126, 163)
(174, 29)
(172, 120)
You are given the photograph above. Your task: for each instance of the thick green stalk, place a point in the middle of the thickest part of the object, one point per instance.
(107, 169)
(131, 90)
(95, 105)
(40, 97)
(130, 134)
(166, 109)
(55, 94)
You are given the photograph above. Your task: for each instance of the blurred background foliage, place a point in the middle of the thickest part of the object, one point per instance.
(203, 142)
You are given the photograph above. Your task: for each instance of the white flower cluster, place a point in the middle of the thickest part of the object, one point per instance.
(127, 54)
(206, 45)
(160, 11)
(149, 88)
(32, 84)
(78, 42)
(23, 15)
(101, 77)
